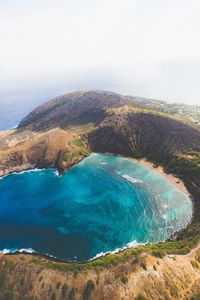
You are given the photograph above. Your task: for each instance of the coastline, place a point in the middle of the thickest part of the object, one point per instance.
(160, 170)
(179, 183)
(31, 167)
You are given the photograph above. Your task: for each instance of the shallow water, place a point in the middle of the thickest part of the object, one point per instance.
(102, 204)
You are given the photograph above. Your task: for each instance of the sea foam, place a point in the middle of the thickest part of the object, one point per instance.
(131, 179)
(22, 250)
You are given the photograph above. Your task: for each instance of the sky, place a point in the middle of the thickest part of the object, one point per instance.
(147, 48)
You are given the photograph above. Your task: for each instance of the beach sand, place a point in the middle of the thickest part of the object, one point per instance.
(174, 180)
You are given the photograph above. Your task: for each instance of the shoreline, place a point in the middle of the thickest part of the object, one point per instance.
(27, 168)
(176, 181)
(160, 170)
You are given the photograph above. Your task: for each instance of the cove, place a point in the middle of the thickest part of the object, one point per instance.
(104, 203)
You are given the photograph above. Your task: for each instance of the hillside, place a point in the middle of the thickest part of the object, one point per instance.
(63, 131)
(143, 134)
(140, 277)
(185, 112)
(76, 108)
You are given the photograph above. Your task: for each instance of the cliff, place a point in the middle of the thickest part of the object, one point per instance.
(137, 277)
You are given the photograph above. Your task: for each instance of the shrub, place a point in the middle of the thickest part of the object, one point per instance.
(124, 279)
(88, 290)
(72, 294)
(22, 281)
(158, 253)
(196, 297)
(53, 297)
(195, 264)
(64, 289)
(42, 285)
(197, 256)
(140, 297)
(31, 286)
(143, 265)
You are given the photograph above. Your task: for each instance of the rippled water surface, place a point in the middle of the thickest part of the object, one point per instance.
(103, 204)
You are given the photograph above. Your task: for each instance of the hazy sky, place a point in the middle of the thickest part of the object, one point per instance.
(147, 48)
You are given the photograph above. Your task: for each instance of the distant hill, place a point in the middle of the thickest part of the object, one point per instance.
(121, 124)
(76, 108)
(190, 112)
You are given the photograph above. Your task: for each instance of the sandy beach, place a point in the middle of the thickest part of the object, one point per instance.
(176, 181)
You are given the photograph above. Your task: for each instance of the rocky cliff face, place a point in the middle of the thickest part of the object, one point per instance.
(145, 277)
(27, 150)
(144, 134)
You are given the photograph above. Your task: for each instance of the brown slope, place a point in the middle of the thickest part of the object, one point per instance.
(119, 128)
(76, 108)
(27, 150)
(173, 277)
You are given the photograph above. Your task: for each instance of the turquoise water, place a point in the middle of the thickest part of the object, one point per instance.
(102, 204)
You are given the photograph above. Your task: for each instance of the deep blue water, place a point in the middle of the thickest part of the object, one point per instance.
(100, 205)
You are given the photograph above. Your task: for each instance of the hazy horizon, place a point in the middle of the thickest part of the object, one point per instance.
(134, 47)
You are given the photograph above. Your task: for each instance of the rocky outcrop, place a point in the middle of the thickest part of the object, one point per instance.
(14, 161)
(41, 150)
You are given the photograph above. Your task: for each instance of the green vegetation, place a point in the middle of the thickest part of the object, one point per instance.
(188, 169)
(196, 297)
(81, 144)
(158, 253)
(182, 246)
(3, 277)
(78, 150)
(124, 279)
(58, 285)
(72, 294)
(197, 256)
(64, 289)
(195, 264)
(143, 265)
(53, 297)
